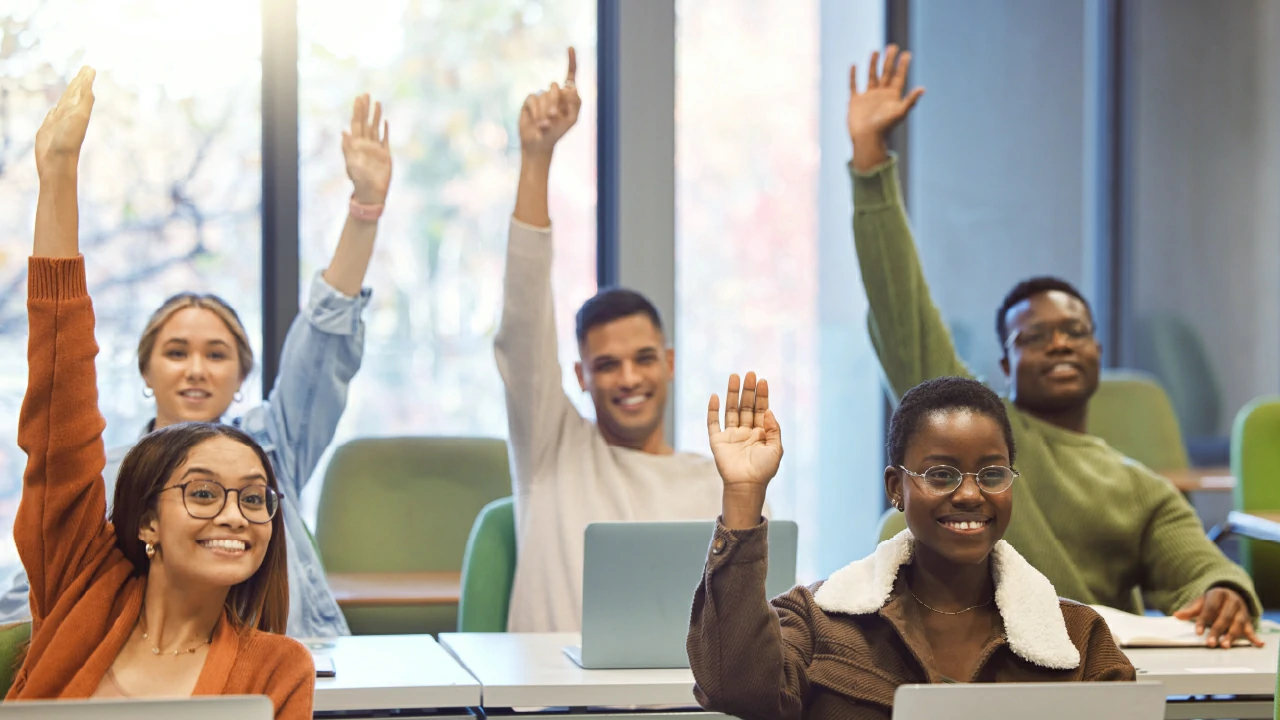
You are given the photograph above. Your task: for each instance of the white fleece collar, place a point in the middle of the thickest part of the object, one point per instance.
(1026, 600)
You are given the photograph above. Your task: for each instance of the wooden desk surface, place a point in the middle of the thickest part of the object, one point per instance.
(1211, 479)
(353, 590)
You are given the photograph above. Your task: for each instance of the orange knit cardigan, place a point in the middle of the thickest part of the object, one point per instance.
(85, 594)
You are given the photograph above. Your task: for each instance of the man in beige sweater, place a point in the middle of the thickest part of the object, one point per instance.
(568, 471)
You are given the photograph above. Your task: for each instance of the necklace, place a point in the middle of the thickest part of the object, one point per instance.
(155, 650)
(944, 612)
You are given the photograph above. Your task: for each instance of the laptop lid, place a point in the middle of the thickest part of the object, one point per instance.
(239, 707)
(638, 583)
(1043, 701)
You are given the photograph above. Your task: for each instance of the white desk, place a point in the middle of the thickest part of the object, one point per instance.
(531, 670)
(1247, 673)
(391, 672)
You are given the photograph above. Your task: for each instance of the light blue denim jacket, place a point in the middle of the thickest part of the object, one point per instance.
(295, 425)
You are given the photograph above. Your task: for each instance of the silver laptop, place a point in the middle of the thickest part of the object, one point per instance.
(637, 589)
(1043, 701)
(240, 707)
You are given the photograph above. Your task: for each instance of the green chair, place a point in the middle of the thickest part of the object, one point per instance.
(891, 523)
(1255, 462)
(406, 505)
(489, 569)
(13, 646)
(1133, 414)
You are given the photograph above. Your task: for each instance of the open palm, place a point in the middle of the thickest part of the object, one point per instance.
(62, 132)
(367, 153)
(878, 109)
(749, 448)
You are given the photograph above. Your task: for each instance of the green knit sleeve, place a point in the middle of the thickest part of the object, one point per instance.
(907, 332)
(1179, 562)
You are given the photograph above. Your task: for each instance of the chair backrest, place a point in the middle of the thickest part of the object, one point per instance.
(406, 505)
(1133, 414)
(489, 569)
(1172, 350)
(891, 523)
(13, 645)
(1255, 462)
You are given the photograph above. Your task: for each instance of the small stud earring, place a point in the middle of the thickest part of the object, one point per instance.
(148, 392)
(238, 397)
(150, 550)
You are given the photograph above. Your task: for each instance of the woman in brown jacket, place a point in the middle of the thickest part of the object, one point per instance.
(944, 601)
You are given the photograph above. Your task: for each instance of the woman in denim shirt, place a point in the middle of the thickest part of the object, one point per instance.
(194, 354)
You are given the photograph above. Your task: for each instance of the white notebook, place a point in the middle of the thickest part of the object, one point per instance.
(1138, 631)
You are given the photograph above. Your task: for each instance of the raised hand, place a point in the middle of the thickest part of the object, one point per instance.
(874, 112)
(367, 153)
(62, 133)
(547, 116)
(749, 448)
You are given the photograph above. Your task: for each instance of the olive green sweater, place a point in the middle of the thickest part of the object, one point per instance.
(1102, 527)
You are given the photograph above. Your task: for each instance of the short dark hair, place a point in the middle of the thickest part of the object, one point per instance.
(260, 602)
(1027, 288)
(614, 303)
(937, 395)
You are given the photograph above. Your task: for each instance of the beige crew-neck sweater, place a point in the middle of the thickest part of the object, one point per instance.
(565, 475)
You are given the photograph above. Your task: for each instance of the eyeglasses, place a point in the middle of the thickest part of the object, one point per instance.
(944, 479)
(205, 499)
(1039, 335)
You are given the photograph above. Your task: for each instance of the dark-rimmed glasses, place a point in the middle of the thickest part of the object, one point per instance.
(944, 479)
(1039, 335)
(205, 499)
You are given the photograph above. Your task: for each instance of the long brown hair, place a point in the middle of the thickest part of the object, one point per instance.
(207, 301)
(260, 602)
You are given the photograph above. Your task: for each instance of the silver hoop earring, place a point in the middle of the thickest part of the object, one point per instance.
(238, 397)
(148, 392)
(150, 550)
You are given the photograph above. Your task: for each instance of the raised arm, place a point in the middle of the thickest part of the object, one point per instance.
(527, 353)
(907, 330)
(60, 529)
(749, 658)
(325, 344)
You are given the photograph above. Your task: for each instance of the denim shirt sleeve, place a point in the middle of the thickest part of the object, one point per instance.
(322, 352)
(15, 602)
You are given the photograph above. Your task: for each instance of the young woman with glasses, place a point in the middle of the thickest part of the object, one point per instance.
(945, 601)
(183, 591)
(194, 354)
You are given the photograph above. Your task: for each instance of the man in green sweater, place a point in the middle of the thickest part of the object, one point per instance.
(1102, 527)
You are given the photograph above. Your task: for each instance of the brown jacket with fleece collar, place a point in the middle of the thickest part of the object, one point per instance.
(840, 648)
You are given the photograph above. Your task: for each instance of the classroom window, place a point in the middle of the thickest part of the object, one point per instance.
(170, 183)
(766, 275)
(452, 78)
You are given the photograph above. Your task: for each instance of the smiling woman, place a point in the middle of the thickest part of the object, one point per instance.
(947, 600)
(183, 594)
(171, 202)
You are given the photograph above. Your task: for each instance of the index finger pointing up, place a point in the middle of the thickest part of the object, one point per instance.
(572, 76)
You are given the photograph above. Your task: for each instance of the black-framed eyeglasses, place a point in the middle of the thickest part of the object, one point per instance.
(205, 499)
(944, 479)
(1039, 335)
